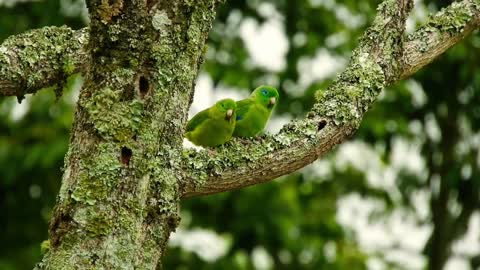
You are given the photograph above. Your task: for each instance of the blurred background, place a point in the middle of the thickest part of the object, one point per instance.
(403, 193)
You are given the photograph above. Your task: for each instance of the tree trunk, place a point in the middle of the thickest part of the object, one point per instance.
(119, 197)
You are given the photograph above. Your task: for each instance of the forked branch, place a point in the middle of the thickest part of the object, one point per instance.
(336, 115)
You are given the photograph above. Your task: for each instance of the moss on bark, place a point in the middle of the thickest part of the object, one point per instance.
(119, 198)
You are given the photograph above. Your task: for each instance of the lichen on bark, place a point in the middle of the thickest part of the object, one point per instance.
(28, 61)
(440, 32)
(119, 197)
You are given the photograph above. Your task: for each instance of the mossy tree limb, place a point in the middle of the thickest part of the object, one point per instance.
(442, 31)
(22, 73)
(41, 58)
(118, 202)
(340, 108)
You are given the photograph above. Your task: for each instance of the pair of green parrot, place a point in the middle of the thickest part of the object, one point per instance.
(245, 118)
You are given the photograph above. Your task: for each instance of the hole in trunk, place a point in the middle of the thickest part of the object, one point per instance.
(143, 86)
(322, 124)
(150, 4)
(126, 155)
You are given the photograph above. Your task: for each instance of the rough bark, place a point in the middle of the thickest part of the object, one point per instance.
(442, 31)
(41, 58)
(118, 202)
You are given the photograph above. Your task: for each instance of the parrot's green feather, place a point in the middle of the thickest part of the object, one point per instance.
(197, 120)
(242, 107)
(253, 112)
(213, 126)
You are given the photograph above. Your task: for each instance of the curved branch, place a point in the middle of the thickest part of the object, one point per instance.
(339, 109)
(241, 164)
(41, 58)
(442, 31)
(335, 116)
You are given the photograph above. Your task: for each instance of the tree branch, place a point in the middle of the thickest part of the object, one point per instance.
(442, 31)
(338, 111)
(41, 58)
(44, 57)
(335, 116)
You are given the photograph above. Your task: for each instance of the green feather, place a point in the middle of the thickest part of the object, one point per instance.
(253, 112)
(212, 126)
(197, 120)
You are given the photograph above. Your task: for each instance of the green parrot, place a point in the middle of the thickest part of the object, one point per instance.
(254, 111)
(213, 126)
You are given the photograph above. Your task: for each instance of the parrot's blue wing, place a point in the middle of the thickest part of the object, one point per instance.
(242, 108)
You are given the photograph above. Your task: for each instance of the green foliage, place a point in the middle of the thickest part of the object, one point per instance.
(294, 219)
(289, 218)
(31, 157)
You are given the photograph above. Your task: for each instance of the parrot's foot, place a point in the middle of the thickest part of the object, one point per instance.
(211, 151)
(243, 140)
(259, 138)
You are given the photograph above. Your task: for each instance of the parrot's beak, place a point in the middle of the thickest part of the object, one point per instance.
(272, 101)
(229, 114)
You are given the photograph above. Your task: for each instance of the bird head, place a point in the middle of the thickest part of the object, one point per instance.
(227, 107)
(266, 95)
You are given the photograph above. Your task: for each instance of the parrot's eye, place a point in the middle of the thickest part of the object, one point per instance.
(264, 92)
